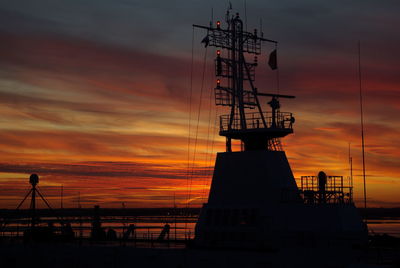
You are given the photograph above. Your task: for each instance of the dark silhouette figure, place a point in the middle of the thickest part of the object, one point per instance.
(111, 234)
(98, 232)
(322, 180)
(164, 233)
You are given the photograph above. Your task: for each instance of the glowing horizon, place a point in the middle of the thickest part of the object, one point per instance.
(101, 106)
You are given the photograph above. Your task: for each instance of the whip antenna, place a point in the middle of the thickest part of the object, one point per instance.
(362, 124)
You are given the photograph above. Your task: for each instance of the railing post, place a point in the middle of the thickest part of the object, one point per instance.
(302, 182)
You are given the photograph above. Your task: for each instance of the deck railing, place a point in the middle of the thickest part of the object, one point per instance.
(336, 190)
(282, 120)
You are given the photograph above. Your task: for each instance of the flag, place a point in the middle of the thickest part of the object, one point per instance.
(205, 41)
(273, 61)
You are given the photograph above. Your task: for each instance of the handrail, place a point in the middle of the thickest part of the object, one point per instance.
(283, 120)
(336, 190)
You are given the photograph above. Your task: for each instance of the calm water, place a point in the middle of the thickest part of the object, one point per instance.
(390, 226)
(180, 227)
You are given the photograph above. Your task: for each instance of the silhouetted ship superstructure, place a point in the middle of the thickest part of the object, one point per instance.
(254, 202)
(256, 214)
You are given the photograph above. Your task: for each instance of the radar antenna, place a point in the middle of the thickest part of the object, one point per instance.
(33, 180)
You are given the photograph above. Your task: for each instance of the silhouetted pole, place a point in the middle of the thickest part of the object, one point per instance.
(62, 197)
(33, 180)
(362, 124)
(33, 207)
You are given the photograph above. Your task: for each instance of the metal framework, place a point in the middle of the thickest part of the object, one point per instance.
(335, 190)
(235, 88)
(33, 180)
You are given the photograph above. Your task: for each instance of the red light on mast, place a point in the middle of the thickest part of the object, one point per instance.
(218, 24)
(218, 52)
(218, 83)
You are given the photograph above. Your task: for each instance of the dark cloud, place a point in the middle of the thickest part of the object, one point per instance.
(103, 170)
(106, 81)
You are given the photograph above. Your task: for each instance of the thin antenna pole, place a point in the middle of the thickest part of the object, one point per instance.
(351, 172)
(62, 196)
(80, 216)
(33, 207)
(351, 177)
(175, 215)
(277, 70)
(349, 159)
(362, 124)
(190, 111)
(245, 14)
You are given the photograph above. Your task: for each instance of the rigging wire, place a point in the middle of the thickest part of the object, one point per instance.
(211, 156)
(197, 129)
(209, 121)
(190, 115)
(208, 141)
(190, 110)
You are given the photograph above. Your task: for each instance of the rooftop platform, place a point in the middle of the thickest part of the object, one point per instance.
(276, 126)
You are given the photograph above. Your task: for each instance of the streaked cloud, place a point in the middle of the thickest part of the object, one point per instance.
(95, 96)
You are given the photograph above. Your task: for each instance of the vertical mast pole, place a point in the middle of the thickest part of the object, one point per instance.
(277, 72)
(234, 68)
(240, 59)
(362, 124)
(231, 80)
(62, 197)
(350, 173)
(33, 206)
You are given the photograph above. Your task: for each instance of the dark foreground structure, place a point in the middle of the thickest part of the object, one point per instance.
(256, 214)
(106, 256)
(254, 201)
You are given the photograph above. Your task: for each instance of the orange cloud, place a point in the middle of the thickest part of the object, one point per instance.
(112, 123)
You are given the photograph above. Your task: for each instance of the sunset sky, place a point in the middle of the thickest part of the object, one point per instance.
(94, 96)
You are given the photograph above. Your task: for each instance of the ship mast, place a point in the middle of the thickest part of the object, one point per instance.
(254, 201)
(236, 89)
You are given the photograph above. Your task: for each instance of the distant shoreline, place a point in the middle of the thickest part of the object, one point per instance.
(369, 213)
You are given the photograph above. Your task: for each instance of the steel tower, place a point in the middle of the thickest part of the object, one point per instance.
(254, 201)
(236, 89)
